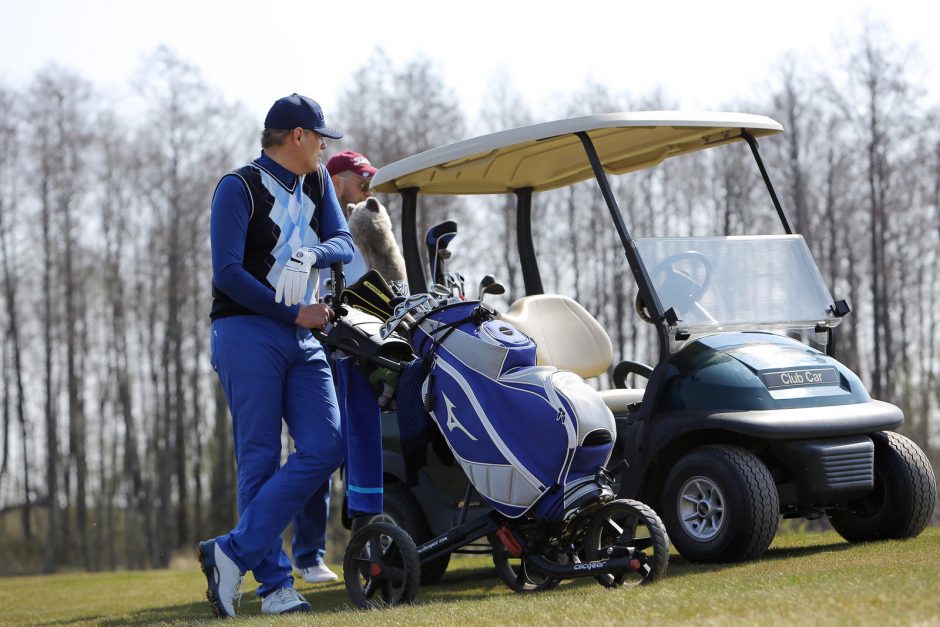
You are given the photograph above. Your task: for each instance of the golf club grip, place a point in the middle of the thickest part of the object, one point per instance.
(339, 279)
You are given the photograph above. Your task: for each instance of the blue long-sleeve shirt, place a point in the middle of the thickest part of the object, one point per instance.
(259, 218)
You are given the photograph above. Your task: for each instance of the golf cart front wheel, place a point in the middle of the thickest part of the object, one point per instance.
(631, 525)
(903, 499)
(720, 504)
(381, 567)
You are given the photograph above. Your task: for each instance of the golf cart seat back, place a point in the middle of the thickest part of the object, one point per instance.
(569, 338)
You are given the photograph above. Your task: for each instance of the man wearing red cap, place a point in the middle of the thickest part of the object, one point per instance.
(351, 174)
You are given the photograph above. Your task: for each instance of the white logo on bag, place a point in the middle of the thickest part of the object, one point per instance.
(452, 422)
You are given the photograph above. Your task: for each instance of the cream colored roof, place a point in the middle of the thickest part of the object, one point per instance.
(545, 156)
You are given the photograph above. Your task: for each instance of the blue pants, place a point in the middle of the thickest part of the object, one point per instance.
(309, 544)
(362, 428)
(272, 370)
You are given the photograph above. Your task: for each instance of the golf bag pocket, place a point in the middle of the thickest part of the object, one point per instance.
(520, 349)
(595, 421)
(589, 423)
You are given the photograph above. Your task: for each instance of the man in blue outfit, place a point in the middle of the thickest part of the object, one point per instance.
(350, 173)
(274, 221)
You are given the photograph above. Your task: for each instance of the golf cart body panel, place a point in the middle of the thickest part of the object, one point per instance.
(756, 371)
(782, 424)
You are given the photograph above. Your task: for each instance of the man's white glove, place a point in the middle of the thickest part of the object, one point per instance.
(292, 284)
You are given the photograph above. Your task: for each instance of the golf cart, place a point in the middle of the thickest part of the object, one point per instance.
(740, 420)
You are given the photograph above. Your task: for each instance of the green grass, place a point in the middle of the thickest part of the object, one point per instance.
(811, 578)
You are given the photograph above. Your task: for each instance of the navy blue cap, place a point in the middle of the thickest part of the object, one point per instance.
(296, 110)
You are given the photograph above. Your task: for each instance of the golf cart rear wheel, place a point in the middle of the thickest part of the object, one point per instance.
(402, 509)
(628, 523)
(903, 499)
(720, 504)
(381, 567)
(517, 573)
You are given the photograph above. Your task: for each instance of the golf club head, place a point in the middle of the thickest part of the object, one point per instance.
(489, 285)
(461, 285)
(437, 239)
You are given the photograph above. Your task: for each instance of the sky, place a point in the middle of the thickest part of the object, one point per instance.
(700, 55)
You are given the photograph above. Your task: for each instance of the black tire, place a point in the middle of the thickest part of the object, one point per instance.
(720, 504)
(629, 523)
(402, 509)
(517, 573)
(903, 499)
(381, 567)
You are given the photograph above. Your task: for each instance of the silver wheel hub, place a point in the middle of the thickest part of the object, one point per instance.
(701, 508)
(384, 540)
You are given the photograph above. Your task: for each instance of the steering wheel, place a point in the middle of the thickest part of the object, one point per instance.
(679, 282)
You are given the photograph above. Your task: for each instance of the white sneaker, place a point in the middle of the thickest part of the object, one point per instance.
(284, 601)
(224, 579)
(318, 574)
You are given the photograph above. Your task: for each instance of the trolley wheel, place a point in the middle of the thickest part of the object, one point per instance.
(381, 558)
(401, 508)
(516, 572)
(627, 523)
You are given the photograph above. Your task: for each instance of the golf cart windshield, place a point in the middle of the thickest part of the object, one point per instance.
(721, 283)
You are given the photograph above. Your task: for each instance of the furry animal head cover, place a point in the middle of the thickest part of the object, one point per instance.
(371, 229)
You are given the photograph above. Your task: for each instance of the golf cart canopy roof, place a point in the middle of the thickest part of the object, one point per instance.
(548, 155)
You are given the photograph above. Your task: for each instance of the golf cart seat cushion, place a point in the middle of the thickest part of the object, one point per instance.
(565, 334)
(618, 400)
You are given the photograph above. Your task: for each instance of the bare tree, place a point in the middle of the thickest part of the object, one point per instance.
(799, 119)
(170, 86)
(6, 401)
(59, 136)
(878, 103)
(117, 197)
(222, 495)
(71, 94)
(9, 143)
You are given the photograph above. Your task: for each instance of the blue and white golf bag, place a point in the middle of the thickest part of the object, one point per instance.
(530, 438)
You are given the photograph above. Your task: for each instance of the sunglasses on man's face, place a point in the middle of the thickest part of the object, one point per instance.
(363, 185)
